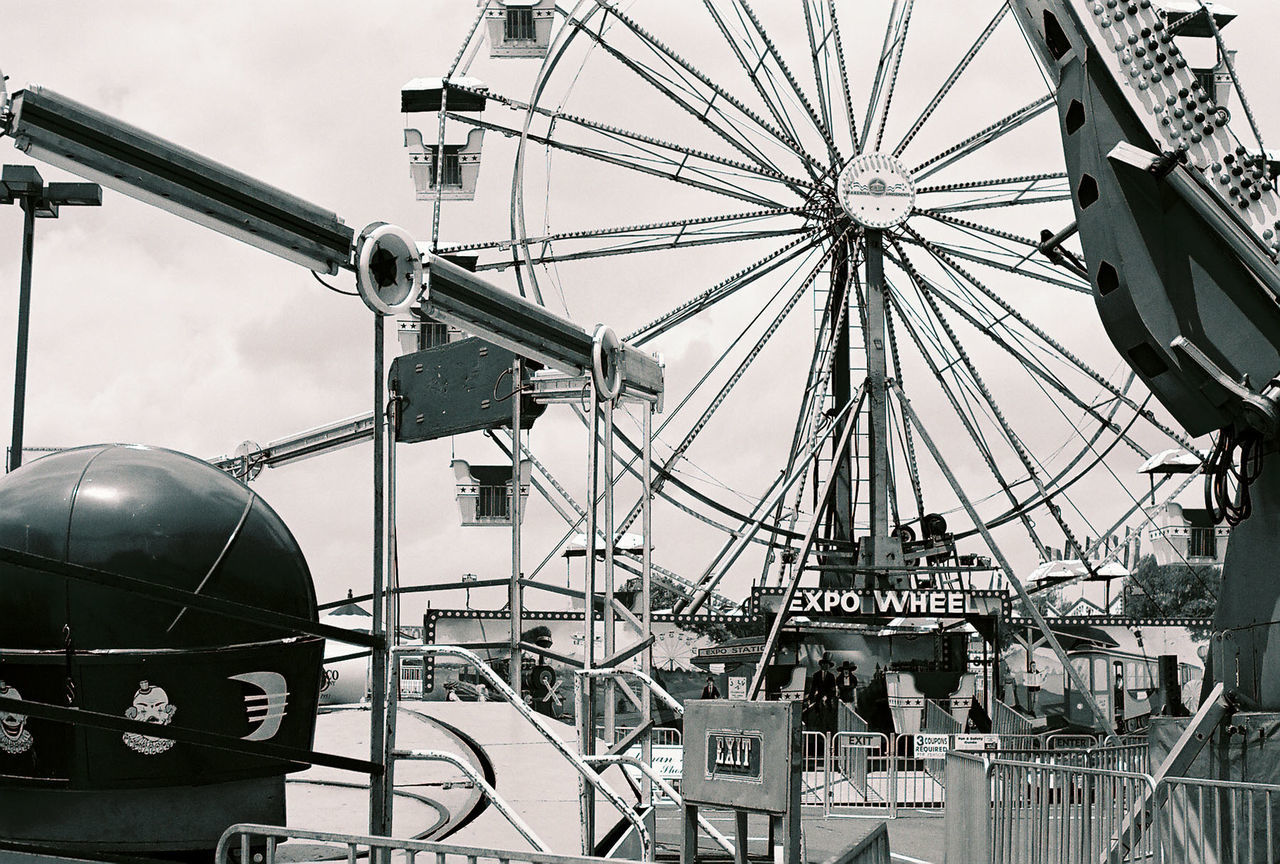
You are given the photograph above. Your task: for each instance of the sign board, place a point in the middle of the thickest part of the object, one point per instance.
(721, 653)
(977, 743)
(737, 687)
(668, 762)
(888, 603)
(930, 746)
(727, 762)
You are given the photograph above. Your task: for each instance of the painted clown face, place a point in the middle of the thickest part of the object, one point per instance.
(14, 737)
(150, 705)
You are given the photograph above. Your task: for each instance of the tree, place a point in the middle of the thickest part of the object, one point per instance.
(1165, 590)
(661, 597)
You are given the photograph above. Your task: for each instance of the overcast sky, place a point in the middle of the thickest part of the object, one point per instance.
(148, 329)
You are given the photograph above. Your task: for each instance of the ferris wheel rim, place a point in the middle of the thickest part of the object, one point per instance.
(519, 226)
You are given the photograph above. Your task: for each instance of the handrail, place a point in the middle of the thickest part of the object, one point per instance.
(667, 789)
(654, 687)
(477, 778)
(274, 833)
(499, 685)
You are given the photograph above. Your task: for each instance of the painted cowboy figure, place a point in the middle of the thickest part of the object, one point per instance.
(821, 696)
(847, 682)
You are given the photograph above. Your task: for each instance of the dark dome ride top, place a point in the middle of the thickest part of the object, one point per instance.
(154, 515)
(168, 520)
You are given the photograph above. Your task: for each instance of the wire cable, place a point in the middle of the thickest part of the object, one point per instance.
(335, 289)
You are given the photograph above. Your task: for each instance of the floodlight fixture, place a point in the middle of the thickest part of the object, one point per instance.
(65, 133)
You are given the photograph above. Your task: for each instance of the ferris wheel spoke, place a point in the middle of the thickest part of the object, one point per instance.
(1018, 198)
(653, 167)
(890, 61)
(980, 139)
(656, 145)
(970, 226)
(951, 79)
(719, 291)
(745, 364)
(1043, 177)
(659, 48)
(818, 122)
(774, 103)
(1062, 350)
(621, 230)
(908, 443)
(1032, 365)
(817, 48)
(662, 243)
(956, 252)
(957, 406)
(734, 136)
(844, 73)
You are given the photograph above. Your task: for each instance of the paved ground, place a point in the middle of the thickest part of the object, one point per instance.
(913, 838)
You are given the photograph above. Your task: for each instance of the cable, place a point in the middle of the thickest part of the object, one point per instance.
(1220, 467)
(334, 288)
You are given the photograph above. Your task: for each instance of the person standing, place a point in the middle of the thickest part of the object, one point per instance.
(711, 691)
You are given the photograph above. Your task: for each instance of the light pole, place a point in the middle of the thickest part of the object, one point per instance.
(23, 185)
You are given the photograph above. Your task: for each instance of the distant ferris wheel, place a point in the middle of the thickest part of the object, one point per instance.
(786, 164)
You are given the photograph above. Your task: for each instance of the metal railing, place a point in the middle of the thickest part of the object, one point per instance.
(1062, 814)
(939, 719)
(862, 774)
(483, 785)
(501, 687)
(968, 823)
(1218, 821)
(1019, 812)
(872, 849)
(245, 843)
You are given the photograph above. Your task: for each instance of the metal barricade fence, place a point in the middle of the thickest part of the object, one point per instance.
(1218, 821)
(968, 824)
(813, 777)
(1130, 756)
(1070, 741)
(939, 719)
(1060, 814)
(917, 783)
(260, 843)
(861, 774)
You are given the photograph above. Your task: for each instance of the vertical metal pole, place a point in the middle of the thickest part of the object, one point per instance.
(586, 705)
(610, 686)
(876, 555)
(516, 594)
(646, 611)
(392, 621)
(24, 322)
(379, 791)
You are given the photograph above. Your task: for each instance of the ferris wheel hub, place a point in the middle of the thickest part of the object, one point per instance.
(876, 191)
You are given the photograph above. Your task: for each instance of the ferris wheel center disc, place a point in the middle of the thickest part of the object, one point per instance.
(876, 191)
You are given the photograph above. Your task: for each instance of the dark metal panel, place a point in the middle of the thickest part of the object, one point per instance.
(724, 767)
(457, 387)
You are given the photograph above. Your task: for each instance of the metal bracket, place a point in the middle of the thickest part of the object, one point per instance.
(1259, 410)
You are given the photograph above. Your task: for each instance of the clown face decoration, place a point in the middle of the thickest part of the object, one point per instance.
(14, 736)
(150, 705)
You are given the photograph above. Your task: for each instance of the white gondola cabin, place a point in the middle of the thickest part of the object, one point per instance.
(421, 100)
(519, 28)
(484, 492)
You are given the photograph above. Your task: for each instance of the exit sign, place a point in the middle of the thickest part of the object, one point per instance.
(734, 755)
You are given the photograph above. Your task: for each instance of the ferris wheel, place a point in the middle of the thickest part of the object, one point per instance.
(816, 211)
